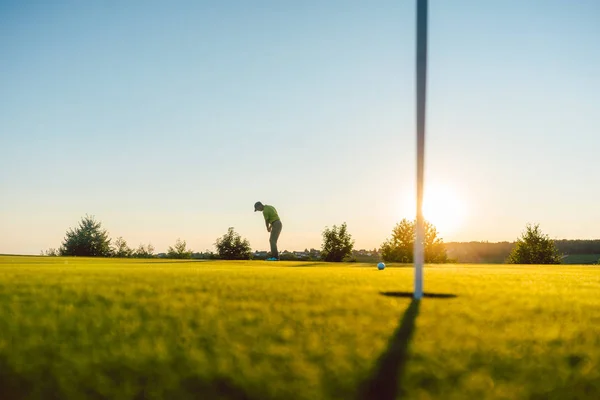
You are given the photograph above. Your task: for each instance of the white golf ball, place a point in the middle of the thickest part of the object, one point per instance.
(380, 266)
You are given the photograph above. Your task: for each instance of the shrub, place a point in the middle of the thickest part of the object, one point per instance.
(534, 247)
(88, 239)
(337, 244)
(231, 246)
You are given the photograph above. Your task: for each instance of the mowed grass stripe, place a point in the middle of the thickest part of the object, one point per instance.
(123, 329)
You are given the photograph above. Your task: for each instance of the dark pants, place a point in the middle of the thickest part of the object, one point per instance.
(275, 231)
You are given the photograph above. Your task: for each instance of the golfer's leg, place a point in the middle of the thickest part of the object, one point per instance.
(275, 231)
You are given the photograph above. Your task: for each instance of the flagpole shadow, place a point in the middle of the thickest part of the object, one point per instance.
(411, 295)
(384, 381)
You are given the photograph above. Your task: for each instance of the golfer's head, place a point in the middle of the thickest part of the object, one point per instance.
(258, 206)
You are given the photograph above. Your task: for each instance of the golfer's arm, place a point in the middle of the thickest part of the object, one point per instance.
(267, 223)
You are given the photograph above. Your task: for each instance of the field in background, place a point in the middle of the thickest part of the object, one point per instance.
(122, 329)
(582, 259)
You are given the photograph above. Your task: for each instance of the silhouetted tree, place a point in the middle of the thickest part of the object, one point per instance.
(534, 247)
(231, 246)
(400, 247)
(120, 248)
(179, 251)
(87, 240)
(337, 244)
(144, 251)
(51, 252)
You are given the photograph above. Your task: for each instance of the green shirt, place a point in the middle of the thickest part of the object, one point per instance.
(270, 214)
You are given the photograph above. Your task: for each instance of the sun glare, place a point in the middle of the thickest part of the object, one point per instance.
(444, 209)
(444, 206)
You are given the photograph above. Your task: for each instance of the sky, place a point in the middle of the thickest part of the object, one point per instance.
(169, 120)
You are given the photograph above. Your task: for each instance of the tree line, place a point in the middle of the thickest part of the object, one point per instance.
(89, 239)
(487, 252)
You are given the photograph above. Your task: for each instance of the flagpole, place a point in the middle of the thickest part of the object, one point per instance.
(421, 102)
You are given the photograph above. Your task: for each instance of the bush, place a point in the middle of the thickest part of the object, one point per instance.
(337, 244)
(231, 246)
(351, 259)
(400, 247)
(120, 248)
(51, 252)
(207, 255)
(144, 251)
(179, 251)
(534, 247)
(87, 240)
(287, 256)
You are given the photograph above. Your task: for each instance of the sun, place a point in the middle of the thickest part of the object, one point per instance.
(443, 208)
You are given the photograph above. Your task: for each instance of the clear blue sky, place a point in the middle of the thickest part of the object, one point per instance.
(168, 120)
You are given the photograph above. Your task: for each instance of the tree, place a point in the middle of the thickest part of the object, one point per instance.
(120, 248)
(534, 247)
(400, 247)
(337, 244)
(144, 251)
(231, 246)
(179, 251)
(434, 249)
(51, 252)
(88, 240)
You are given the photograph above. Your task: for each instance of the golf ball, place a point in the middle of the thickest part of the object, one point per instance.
(380, 266)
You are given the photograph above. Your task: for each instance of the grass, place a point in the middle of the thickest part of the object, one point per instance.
(75, 328)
